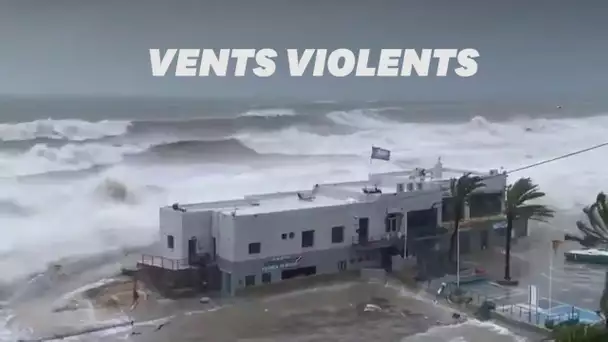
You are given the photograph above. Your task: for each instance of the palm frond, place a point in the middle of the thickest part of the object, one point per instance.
(602, 207)
(537, 212)
(521, 192)
(462, 187)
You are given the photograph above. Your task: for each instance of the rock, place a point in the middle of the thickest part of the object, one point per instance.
(204, 300)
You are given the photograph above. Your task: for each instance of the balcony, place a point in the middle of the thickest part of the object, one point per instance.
(163, 262)
(379, 241)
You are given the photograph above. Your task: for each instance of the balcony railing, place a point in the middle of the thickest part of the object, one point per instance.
(163, 262)
(377, 241)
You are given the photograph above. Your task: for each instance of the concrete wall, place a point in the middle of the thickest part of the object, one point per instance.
(198, 225)
(326, 262)
(170, 223)
(269, 228)
(223, 229)
(234, 257)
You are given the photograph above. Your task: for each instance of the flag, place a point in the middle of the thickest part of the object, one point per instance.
(380, 153)
(555, 245)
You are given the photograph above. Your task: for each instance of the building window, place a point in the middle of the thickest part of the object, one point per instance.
(255, 248)
(392, 222)
(424, 219)
(292, 235)
(337, 234)
(266, 278)
(342, 265)
(249, 280)
(308, 238)
(170, 242)
(284, 236)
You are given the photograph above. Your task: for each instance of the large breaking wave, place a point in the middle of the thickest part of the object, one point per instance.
(133, 167)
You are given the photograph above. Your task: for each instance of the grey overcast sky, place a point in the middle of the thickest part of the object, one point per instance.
(86, 47)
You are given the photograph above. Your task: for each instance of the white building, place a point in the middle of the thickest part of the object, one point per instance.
(326, 229)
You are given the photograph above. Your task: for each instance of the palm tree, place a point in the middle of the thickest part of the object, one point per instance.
(460, 190)
(596, 232)
(518, 194)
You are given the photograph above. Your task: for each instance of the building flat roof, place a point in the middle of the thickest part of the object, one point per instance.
(286, 203)
(331, 194)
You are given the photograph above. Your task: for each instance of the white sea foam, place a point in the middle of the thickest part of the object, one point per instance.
(69, 217)
(42, 158)
(466, 332)
(62, 129)
(477, 144)
(270, 112)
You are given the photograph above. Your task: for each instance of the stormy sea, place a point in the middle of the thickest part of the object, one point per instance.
(85, 179)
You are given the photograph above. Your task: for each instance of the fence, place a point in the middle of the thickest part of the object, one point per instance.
(522, 312)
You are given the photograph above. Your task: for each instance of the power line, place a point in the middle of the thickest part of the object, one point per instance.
(564, 156)
(542, 162)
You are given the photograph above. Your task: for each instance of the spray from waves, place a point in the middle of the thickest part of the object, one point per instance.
(76, 130)
(462, 145)
(45, 159)
(9, 207)
(270, 112)
(53, 131)
(222, 148)
(361, 118)
(42, 158)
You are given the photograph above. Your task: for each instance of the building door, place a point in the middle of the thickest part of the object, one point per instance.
(363, 231)
(192, 251)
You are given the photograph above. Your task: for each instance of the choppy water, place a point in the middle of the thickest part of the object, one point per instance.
(75, 186)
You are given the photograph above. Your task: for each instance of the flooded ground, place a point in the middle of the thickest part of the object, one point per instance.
(352, 311)
(82, 297)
